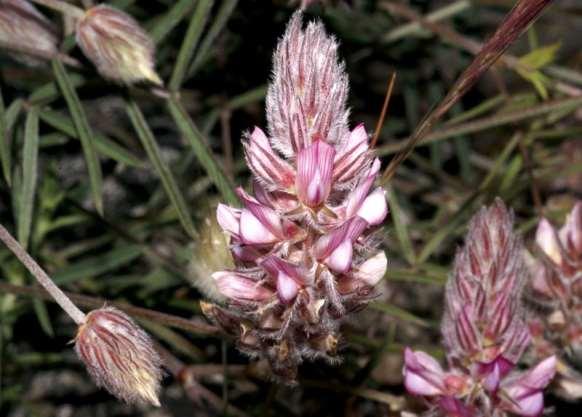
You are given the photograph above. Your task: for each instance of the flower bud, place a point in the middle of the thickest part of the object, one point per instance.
(23, 27)
(116, 44)
(120, 356)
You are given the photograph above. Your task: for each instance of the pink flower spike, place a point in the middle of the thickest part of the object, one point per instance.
(253, 231)
(423, 375)
(265, 163)
(340, 259)
(239, 287)
(547, 240)
(374, 209)
(314, 173)
(353, 156)
(526, 391)
(372, 270)
(229, 219)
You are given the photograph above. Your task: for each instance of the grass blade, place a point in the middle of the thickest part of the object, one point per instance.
(197, 23)
(4, 143)
(43, 316)
(203, 153)
(149, 143)
(103, 145)
(161, 27)
(400, 226)
(29, 177)
(223, 14)
(84, 131)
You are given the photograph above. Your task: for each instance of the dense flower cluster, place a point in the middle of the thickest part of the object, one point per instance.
(304, 243)
(557, 289)
(484, 330)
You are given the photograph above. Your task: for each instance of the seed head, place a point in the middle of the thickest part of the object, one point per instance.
(117, 45)
(120, 356)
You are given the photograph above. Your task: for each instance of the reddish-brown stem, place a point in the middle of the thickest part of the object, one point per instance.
(138, 312)
(384, 110)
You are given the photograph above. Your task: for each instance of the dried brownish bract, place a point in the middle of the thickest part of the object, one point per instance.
(23, 28)
(117, 45)
(120, 356)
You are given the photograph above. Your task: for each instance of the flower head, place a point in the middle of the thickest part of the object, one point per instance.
(23, 27)
(303, 242)
(120, 356)
(484, 330)
(557, 288)
(117, 45)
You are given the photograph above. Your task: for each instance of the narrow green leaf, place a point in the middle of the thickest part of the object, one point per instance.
(103, 145)
(150, 145)
(84, 131)
(43, 317)
(222, 16)
(93, 267)
(400, 226)
(4, 143)
(197, 23)
(399, 313)
(203, 153)
(29, 177)
(162, 26)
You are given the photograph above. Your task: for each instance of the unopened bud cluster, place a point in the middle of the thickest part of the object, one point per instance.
(111, 39)
(557, 289)
(484, 330)
(119, 356)
(304, 243)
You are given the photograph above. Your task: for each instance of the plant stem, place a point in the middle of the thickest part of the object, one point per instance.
(138, 312)
(61, 6)
(41, 276)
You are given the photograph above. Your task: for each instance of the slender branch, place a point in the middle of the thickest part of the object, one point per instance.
(55, 292)
(61, 6)
(384, 110)
(96, 302)
(515, 22)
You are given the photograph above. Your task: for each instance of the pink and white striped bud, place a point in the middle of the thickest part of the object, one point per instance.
(117, 45)
(120, 356)
(23, 27)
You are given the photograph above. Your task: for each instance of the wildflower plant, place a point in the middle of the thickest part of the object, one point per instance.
(484, 330)
(557, 290)
(303, 243)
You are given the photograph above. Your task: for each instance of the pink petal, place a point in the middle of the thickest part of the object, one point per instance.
(374, 209)
(275, 266)
(253, 231)
(526, 391)
(229, 219)
(547, 240)
(266, 215)
(265, 163)
(422, 374)
(357, 197)
(571, 232)
(238, 287)
(314, 173)
(349, 230)
(373, 270)
(353, 156)
(287, 288)
(340, 259)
